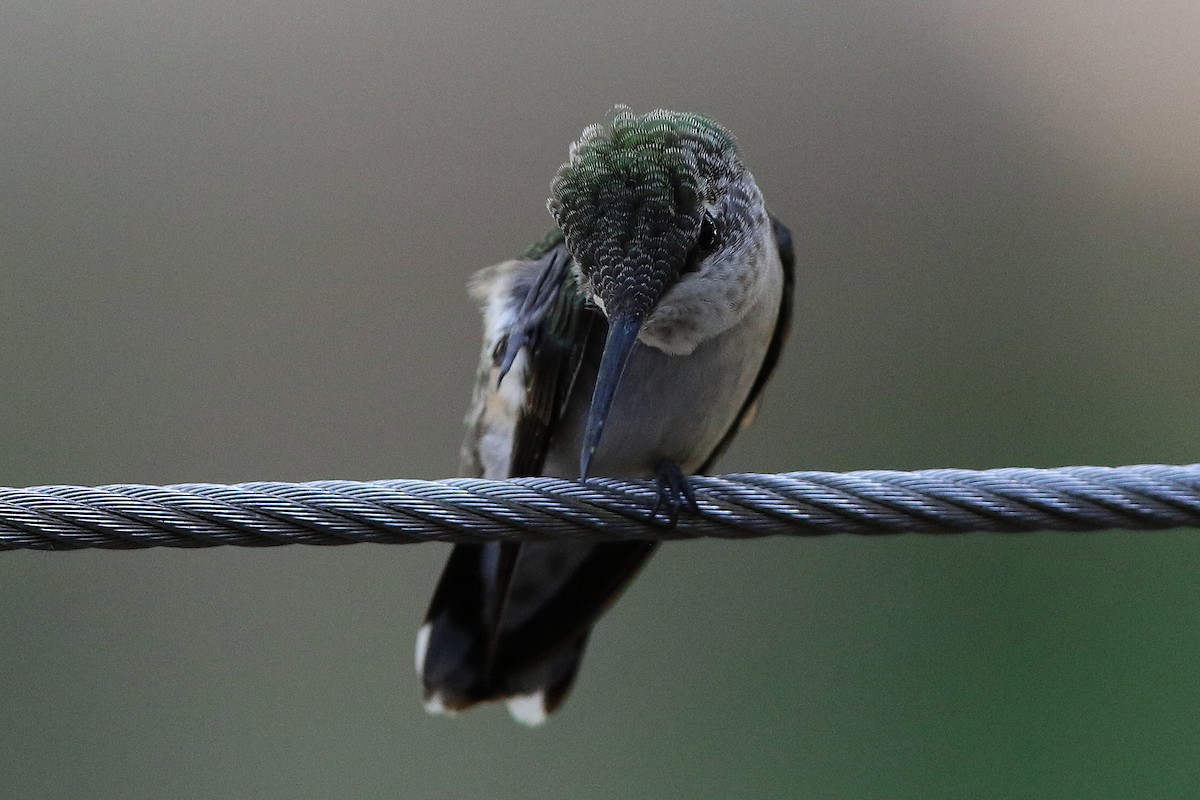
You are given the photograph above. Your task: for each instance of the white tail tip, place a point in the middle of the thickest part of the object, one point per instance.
(528, 709)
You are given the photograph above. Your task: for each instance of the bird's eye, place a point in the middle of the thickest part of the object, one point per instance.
(706, 243)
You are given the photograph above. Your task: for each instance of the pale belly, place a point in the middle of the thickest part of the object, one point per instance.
(668, 407)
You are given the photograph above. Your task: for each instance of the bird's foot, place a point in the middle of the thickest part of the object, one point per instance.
(674, 494)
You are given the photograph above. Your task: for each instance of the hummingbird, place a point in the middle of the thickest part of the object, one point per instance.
(633, 341)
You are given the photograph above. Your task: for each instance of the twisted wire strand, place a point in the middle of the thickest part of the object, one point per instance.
(873, 502)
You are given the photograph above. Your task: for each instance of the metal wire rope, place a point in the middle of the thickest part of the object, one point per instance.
(873, 502)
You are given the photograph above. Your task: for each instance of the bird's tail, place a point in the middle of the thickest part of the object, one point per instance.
(510, 622)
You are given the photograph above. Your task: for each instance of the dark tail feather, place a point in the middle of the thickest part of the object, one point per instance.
(453, 646)
(510, 622)
(537, 689)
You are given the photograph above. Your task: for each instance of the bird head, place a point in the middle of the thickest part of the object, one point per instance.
(644, 203)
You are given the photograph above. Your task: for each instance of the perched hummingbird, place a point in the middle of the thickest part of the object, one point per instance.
(633, 341)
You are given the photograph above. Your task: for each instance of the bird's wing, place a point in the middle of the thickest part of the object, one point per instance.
(554, 327)
(538, 327)
(783, 325)
(511, 620)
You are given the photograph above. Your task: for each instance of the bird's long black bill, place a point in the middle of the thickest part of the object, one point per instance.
(622, 335)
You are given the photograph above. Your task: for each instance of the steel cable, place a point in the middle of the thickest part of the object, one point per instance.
(873, 502)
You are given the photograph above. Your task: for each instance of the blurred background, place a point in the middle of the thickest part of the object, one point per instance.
(234, 238)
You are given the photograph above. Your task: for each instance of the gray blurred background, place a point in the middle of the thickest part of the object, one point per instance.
(234, 238)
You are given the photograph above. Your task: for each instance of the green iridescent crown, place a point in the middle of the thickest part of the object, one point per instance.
(634, 192)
